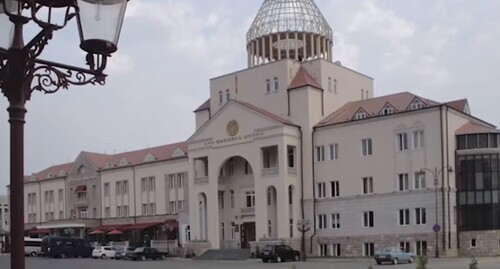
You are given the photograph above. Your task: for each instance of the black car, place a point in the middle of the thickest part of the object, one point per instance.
(62, 247)
(121, 252)
(279, 253)
(144, 253)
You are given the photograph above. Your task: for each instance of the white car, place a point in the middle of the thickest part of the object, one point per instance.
(104, 252)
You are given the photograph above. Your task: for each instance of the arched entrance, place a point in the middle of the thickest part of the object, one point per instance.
(236, 200)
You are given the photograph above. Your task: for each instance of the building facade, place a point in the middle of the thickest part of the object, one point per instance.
(4, 221)
(293, 138)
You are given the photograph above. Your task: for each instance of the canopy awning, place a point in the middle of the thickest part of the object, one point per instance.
(106, 228)
(172, 223)
(97, 232)
(39, 231)
(115, 232)
(81, 188)
(140, 226)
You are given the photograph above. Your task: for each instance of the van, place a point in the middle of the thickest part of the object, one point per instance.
(32, 246)
(65, 247)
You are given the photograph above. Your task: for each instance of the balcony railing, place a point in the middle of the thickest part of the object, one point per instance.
(270, 172)
(248, 211)
(201, 180)
(81, 202)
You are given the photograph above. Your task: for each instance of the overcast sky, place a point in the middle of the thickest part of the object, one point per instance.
(169, 49)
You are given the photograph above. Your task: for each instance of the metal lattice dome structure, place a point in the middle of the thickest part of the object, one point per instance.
(288, 29)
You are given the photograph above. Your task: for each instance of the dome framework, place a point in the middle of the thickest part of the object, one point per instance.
(288, 29)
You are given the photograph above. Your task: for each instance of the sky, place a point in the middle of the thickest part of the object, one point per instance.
(169, 49)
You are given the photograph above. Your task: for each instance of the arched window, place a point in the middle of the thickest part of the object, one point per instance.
(276, 84)
(362, 94)
(329, 84)
(81, 170)
(228, 95)
(221, 98)
(268, 85)
(335, 86)
(367, 94)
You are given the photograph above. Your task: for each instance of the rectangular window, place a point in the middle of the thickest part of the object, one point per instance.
(320, 153)
(336, 221)
(118, 211)
(247, 168)
(118, 188)
(403, 182)
(336, 250)
(180, 205)
(334, 151)
(269, 228)
(233, 235)
(335, 188)
(173, 207)
(367, 185)
(125, 187)
(291, 156)
(231, 198)
(250, 198)
(368, 219)
(421, 247)
(106, 189)
(322, 222)
(61, 214)
(402, 141)
(473, 243)
(60, 195)
(152, 184)
(145, 208)
(420, 216)
(368, 249)
(323, 250)
(180, 180)
(321, 190)
(221, 199)
(222, 232)
(291, 228)
(404, 217)
(418, 139)
(152, 208)
(366, 147)
(419, 181)
(107, 212)
(404, 246)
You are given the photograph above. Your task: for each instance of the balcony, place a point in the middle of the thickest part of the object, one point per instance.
(81, 203)
(247, 211)
(270, 172)
(201, 180)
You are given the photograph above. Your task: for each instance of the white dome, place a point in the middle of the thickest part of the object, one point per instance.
(280, 16)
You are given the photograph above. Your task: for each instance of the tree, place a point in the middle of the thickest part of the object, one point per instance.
(422, 262)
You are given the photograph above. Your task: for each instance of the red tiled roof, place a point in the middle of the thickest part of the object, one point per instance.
(98, 159)
(266, 113)
(373, 107)
(303, 79)
(459, 105)
(204, 106)
(53, 170)
(475, 128)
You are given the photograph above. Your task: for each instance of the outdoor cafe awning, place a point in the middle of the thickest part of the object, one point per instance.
(141, 226)
(106, 228)
(39, 231)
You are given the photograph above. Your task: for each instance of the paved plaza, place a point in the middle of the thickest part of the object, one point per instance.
(49, 263)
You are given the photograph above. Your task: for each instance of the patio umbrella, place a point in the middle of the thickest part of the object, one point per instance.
(115, 232)
(96, 232)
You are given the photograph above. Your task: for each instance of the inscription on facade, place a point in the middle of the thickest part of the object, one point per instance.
(234, 139)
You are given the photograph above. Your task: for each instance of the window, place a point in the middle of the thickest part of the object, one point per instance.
(269, 228)
(60, 195)
(222, 236)
(152, 208)
(180, 205)
(323, 250)
(334, 151)
(420, 216)
(148, 184)
(404, 217)
(291, 228)
(360, 115)
(366, 147)
(403, 182)
(322, 222)
(362, 94)
(171, 182)
(387, 110)
(421, 247)
(367, 185)
(106, 189)
(268, 86)
(418, 139)
(118, 188)
(404, 246)
(276, 84)
(291, 156)
(416, 104)
(180, 180)
(329, 84)
(473, 243)
(335, 86)
(335, 190)
(173, 207)
(368, 249)
(107, 212)
(250, 198)
(336, 250)
(221, 199)
(228, 95)
(368, 219)
(118, 211)
(322, 190)
(320, 153)
(125, 187)
(233, 231)
(231, 198)
(367, 94)
(336, 221)
(419, 180)
(94, 212)
(402, 141)
(61, 214)
(145, 209)
(221, 98)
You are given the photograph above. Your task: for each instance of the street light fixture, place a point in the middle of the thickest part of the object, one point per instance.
(303, 225)
(436, 173)
(22, 72)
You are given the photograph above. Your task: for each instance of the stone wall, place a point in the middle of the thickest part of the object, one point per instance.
(487, 243)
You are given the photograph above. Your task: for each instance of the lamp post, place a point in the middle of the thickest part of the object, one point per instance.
(435, 174)
(22, 72)
(303, 225)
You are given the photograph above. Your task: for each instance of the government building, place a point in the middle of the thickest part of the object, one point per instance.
(295, 138)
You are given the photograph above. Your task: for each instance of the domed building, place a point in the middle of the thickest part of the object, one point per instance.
(294, 149)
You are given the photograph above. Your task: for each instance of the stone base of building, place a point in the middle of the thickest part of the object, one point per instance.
(197, 248)
(479, 243)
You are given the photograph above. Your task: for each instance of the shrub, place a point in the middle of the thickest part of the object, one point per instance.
(473, 263)
(422, 262)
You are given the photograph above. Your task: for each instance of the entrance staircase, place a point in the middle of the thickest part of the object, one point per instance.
(225, 255)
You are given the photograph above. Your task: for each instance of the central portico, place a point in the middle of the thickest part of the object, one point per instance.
(243, 170)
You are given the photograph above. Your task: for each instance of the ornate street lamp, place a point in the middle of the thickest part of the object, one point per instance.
(303, 225)
(22, 72)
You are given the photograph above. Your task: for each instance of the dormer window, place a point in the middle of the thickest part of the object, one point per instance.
(387, 110)
(62, 173)
(276, 84)
(81, 170)
(149, 158)
(109, 164)
(221, 98)
(123, 162)
(228, 95)
(51, 175)
(268, 86)
(360, 115)
(178, 153)
(416, 104)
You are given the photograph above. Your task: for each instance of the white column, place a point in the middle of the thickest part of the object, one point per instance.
(318, 47)
(249, 61)
(296, 38)
(324, 49)
(258, 51)
(330, 56)
(263, 45)
(279, 49)
(271, 56)
(252, 53)
(288, 45)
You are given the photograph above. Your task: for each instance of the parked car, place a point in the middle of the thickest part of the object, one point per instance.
(279, 253)
(144, 253)
(32, 246)
(64, 247)
(122, 251)
(104, 252)
(394, 255)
